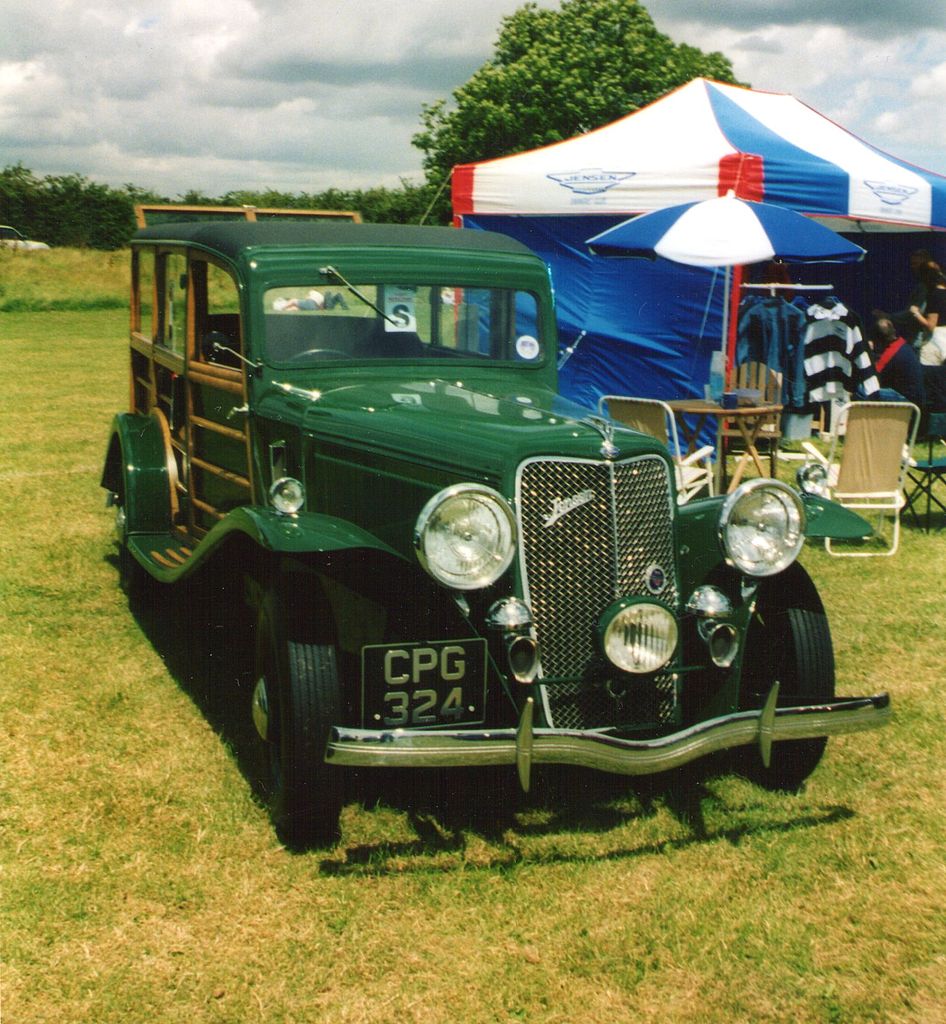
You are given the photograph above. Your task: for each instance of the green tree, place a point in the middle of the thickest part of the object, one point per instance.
(19, 188)
(67, 209)
(556, 74)
(405, 205)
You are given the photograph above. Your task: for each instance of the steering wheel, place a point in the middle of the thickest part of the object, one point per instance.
(331, 353)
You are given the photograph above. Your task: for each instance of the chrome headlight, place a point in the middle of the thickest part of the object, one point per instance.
(465, 536)
(762, 527)
(287, 495)
(638, 636)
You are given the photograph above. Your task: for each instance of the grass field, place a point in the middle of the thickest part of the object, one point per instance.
(63, 279)
(143, 883)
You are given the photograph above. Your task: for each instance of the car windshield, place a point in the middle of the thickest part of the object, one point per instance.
(312, 324)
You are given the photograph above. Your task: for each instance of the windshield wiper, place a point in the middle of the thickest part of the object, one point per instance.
(331, 271)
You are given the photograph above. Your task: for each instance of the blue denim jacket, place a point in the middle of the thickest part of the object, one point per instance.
(772, 331)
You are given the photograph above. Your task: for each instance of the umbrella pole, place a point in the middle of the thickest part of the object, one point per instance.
(732, 322)
(726, 287)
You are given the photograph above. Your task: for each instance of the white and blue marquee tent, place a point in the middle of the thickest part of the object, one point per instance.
(650, 327)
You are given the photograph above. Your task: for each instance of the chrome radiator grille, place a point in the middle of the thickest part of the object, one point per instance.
(592, 532)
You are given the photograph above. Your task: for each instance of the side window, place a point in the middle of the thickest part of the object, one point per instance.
(173, 333)
(144, 380)
(217, 320)
(143, 311)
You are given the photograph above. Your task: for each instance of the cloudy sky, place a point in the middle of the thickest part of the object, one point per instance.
(303, 95)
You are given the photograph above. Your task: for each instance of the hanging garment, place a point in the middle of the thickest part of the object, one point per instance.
(837, 359)
(771, 330)
(759, 332)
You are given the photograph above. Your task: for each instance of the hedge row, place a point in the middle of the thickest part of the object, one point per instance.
(70, 210)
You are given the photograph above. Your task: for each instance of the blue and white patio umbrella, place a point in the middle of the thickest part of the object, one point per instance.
(726, 232)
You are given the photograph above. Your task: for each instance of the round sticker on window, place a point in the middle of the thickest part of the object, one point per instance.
(527, 347)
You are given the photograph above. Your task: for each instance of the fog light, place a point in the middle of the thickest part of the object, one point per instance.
(638, 636)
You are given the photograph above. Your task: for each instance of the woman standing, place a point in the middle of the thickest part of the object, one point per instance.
(932, 318)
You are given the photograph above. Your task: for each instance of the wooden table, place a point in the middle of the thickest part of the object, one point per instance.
(691, 415)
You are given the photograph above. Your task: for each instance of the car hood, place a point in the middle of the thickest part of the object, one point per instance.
(456, 423)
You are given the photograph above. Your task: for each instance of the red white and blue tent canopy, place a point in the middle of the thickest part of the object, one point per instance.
(699, 142)
(647, 328)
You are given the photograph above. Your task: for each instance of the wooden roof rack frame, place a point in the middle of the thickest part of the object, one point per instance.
(161, 213)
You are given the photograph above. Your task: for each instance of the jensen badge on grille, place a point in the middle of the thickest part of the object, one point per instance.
(562, 506)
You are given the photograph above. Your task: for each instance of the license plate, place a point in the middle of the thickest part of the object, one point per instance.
(417, 685)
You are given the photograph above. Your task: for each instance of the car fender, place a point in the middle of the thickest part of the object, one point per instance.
(697, 539)
(310, 537)
(300, 533)
(136, 469)
(827, 518)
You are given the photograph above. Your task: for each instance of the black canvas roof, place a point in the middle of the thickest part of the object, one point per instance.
(232, 238)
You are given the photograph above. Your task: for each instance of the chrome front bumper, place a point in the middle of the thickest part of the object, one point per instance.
(526, 745)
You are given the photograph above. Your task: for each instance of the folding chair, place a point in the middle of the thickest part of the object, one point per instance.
(867, 463)
(693, 470)
(762, 386)
(924, 473)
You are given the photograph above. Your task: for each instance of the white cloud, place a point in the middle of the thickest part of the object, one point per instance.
(16, 75)
(930, 84)
(299, 95)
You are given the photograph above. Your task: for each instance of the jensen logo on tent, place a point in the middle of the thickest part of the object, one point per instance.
(891, 195)
(590, 180)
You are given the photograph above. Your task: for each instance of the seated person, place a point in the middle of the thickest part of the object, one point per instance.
(901, 375)
(897, 364)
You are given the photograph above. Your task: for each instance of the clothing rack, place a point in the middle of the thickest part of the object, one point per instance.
(773, 286)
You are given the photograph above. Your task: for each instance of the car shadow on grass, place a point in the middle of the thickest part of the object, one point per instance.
(452, 819)
(474, 820)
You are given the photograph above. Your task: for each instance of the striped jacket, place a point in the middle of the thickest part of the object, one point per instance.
(837, 359)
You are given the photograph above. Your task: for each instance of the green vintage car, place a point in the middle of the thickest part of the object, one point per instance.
(446, 563)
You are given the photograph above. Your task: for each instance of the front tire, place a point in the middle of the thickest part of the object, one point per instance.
(790, 644)
(296, 699)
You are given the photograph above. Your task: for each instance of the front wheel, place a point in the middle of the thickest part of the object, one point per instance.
(793, 646)
(296, 699)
